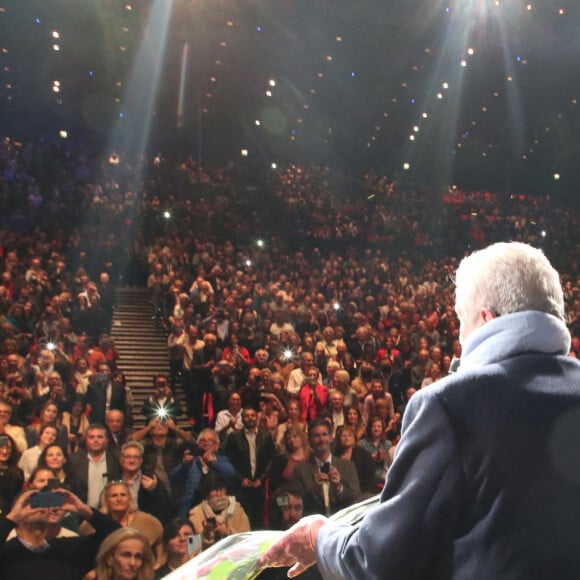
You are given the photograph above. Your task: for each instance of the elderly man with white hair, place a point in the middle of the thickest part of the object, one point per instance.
(485, 483)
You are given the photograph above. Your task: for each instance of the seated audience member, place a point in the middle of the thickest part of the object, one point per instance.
(117, 502)
(313, 396)
(15, 431)
(346, 448)
(150, 496)
(327, 483)
(432, 376)
(341, 383)
(297, 450)
(11, 476)
(38, 556)
(76, 423)
(49, 415)
(161, 403)
(336, 410)
(117, 433)
(286, 507)
(29, 459)
(296, 378)
(19, 397)
(354, 418)
(81, 376)
(230, 419)
(224, 382)
(57, 393)
(376, 443)
(55, 459)
(293, 414)
(104, 394)
(92, 467)
(218, 515)
(271, 412)
(377, 391)
(125, 555)
(210, 461)
(175, 546)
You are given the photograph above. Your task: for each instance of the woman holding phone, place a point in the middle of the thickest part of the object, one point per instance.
(180, 544)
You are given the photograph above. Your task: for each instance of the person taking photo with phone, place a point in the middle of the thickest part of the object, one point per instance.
(35, 555)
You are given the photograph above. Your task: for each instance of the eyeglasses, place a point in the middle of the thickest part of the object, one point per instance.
(132, 457)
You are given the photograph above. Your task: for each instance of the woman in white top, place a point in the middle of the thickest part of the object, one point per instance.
(29, 459)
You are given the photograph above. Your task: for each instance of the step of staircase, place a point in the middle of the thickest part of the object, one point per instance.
(141, 346)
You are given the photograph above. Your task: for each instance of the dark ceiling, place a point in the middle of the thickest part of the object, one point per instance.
(478, 92)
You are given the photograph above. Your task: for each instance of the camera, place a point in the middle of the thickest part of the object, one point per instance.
(325, 467)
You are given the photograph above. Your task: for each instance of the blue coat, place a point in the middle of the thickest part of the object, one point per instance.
(485, 483)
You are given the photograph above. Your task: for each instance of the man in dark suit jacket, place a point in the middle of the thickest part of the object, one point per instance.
(251, 452)
(92, 468)
(104, 395)
(328, 483)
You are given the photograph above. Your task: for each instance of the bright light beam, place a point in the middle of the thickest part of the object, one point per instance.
(132, 133)
(181, 97)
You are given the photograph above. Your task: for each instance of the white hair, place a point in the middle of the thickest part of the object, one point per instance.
(508, 277)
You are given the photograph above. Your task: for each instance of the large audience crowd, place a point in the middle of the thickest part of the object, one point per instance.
(302, 307)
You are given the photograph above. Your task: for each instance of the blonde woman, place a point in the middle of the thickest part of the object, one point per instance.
(125, 555)
(117, 502)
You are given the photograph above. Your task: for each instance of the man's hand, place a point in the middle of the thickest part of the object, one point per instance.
(73, 504)
(321, 478)
(334, 475)
(149, 483)
(296, 547)
(208, 457)
(22, 510)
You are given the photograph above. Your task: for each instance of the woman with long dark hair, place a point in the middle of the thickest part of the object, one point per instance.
(11, 477)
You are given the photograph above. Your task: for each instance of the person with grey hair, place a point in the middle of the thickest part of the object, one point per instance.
(486, 479)
(209, 460)
(150, 496)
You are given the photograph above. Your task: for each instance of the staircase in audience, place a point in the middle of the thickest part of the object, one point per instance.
(141, 345)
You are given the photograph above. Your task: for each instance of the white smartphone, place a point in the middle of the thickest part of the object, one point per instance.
(193, 543)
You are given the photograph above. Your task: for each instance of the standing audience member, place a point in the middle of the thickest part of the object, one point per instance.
(327, 483)
(94, 466)
(251, 452)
